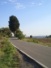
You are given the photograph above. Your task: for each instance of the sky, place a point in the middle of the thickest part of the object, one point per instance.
(34, 15)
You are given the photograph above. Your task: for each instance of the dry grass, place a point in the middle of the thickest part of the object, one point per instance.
(44, 41)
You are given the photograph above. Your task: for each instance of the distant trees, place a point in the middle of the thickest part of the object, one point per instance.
(31, 36)
(48, 36)
(13, 23)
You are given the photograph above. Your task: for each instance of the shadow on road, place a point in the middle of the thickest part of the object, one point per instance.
(27, 62)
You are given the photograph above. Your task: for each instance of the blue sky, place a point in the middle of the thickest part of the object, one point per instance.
(34, 15)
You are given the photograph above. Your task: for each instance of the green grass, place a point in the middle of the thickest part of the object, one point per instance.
(8, 55)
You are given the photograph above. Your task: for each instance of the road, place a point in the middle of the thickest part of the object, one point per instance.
(41, 54)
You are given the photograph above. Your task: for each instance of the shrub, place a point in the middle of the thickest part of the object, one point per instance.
(8, 55)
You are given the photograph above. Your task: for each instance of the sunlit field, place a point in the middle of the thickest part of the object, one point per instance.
(43, 41)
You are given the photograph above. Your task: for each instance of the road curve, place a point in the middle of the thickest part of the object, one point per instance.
(41, 54)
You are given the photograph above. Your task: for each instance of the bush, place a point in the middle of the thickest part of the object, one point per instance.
(8, 55)
(5, 32)
(19, 34)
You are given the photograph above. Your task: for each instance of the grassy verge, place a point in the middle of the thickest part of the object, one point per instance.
(43, 41)
(8, 55)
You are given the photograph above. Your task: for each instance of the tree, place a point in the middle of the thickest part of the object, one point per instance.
(48, 36)
(5, 32)
(31, 36)
(19, 34)
(13, 23)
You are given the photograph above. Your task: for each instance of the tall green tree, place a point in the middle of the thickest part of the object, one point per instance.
(13, 23)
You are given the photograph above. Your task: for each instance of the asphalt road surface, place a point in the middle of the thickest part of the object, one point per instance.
(42, 54)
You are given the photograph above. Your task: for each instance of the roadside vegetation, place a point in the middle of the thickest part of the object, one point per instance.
(5, 32)
(43, 41)
(8, 54)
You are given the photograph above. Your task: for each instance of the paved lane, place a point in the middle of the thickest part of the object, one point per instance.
(40, 53)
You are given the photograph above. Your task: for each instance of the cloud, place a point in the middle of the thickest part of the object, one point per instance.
(40, 4)
(33, 3)
(19, 6)
(12, 1)
(5, 2)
